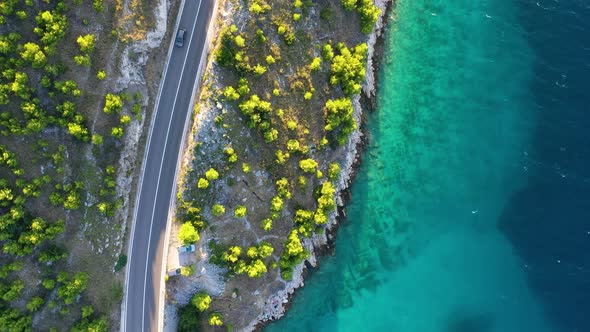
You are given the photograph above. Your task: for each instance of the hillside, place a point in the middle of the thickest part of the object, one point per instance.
(73, 105)
(272, 147)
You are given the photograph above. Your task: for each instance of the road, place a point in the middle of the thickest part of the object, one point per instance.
(140, 310)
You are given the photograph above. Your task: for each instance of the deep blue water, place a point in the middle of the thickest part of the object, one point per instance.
(471, 212)
(548, 220)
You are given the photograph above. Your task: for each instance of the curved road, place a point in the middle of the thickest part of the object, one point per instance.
(144, 277)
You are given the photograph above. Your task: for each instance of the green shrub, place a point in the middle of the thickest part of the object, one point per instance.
(232, 255)
(121, 262)
(293, 254)
(87, 311)
(188, 234)
(230, 93)
(315, 64)
(34, 304)
(201, 301)
(369, 14)
(97, 139)
(333, 171)
(217, 210)
(187, 271)
(266, 224)
(265, 249)
(348, 68)
(113, 103)
(211, 174)
(232, 157)
(283, 188)
(203, 183)
(256, 269)
(215, 319)
(327, 52)
(276, 204)
(281, 157)
(240, 211)
(339, 119)
(308, 165)
(246, 168)
(117, 132)
(86, 43)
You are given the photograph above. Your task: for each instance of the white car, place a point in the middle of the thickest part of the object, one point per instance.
(189, 248)
(174, 272)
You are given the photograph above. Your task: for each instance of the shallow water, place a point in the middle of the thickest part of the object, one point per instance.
(467, 176)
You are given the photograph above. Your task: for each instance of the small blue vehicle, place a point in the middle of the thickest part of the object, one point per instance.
(180, 37)
(189, 248)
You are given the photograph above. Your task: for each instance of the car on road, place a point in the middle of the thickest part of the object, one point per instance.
(180, 37)
(189, 248)
(174, 272)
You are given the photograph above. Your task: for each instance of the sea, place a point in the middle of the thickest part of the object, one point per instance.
(471, 210)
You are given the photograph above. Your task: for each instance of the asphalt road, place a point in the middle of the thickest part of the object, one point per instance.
(144, 271)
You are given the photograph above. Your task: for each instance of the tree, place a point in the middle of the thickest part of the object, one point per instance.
(34, 304)
(71, 288)
(240, 211)
(117, 132)
(315, 64)
(188, 234)
(215, 319)
(51, 26)
(97, 325)
(86, 43)
(97, 139)
(256, 269)
(327, 52)
(211, 174)
(101, 75)
(33, 54)
(283, 188)
(240, 41)
(265, 249)
(113, 103)
(276, 204)
(292, 255)
(348, 68)
(11, 292)
(87, 311)
(203, 183)
(308, 165)
(230, 93)
(333, 171)
(232, 254)
(201, 301)
(217, 210)
(293, 145)
(266, 224)
(369, 14)
(232, 157)
(339, 118)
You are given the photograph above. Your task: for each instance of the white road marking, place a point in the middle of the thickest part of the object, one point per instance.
(192, 31)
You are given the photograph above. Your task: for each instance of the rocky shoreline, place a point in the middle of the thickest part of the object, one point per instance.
(274, 306)
(323, 244)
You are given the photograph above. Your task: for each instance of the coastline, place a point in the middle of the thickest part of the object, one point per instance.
(323, 244)
(272, 306)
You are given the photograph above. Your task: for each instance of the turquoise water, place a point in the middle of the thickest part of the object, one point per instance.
(421, 250)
